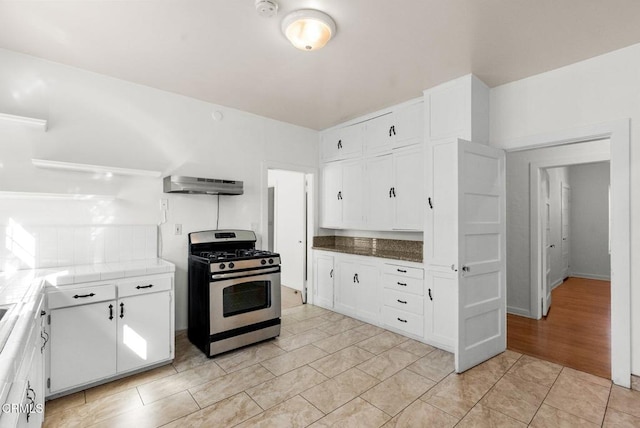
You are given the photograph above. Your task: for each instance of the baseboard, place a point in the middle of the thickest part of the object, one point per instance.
(591, 276)
(558, 282)
(519, 311)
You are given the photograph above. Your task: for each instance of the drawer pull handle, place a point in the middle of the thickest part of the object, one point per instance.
(144, 286)
(401, 320)
(78, 296)
(404, 302)
(402, 271)
(121, 310)
(404, 284)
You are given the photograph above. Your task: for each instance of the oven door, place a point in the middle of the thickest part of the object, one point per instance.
(244, 300)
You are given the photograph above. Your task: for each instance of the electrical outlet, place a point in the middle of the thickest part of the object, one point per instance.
(164, 204)
(177, 229)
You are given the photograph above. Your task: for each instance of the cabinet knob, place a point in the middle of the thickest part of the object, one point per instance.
(339, 144)
(121, 310)
(430, 203)
(466, 269)
(331, 274)
(430, 296)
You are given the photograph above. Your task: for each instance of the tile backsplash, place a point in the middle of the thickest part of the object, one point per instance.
(27, 247)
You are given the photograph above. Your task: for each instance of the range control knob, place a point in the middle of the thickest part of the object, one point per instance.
(263, 262)
(270, 261)
(231, 265)
(221, 266)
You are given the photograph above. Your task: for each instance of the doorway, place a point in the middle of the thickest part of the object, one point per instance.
(522, 298)
(575, 271)
(288, 222)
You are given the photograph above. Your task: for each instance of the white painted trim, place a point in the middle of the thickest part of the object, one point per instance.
(518, 311)
(375, 114)
(557, 283)
(590, 276)
(619, 134)
(30, 121)
(99, 169)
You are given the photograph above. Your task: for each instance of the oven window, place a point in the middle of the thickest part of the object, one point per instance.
(246, 297)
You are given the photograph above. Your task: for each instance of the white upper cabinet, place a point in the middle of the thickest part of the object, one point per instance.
(395, 190)
(401, 127)
(342, 195)
(341, 143)
(458, 109)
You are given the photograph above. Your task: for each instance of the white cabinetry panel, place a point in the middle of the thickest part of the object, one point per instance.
(323, 284)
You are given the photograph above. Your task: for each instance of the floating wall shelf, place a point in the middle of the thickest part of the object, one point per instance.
(30, 121)
(56, 196)
(68, 166)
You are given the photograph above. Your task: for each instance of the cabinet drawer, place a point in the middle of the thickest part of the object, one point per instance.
(402, 320)
(406, 285)
(404, 271)
(81, 296)
(404, 301)
(143, 285)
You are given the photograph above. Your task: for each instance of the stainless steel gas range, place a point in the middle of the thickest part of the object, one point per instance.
(234, 291)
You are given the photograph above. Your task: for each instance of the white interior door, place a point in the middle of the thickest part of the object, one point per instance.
(481, 254)
(290, 226)
(545, 217)
(566, 212)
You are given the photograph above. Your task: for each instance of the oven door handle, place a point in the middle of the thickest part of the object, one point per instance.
(229, 275)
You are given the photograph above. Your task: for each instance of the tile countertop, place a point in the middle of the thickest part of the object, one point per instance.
(394, 249)
(21, 293)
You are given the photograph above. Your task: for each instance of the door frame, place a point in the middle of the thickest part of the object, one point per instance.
(311, 174)
(618, 132)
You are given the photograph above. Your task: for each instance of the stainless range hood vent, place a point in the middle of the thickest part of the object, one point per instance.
(201, 186)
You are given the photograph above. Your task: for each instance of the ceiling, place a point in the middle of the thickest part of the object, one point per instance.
(384, 52)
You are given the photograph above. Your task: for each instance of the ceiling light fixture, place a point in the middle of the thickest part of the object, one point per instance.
(308, 29)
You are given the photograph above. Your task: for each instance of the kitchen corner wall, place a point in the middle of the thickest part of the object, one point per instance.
(94, 119)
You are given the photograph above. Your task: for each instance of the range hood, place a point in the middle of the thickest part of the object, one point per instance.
(202, 186)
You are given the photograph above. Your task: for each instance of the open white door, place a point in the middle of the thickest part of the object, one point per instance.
(481, 254)
(545, 217)
(566, 244)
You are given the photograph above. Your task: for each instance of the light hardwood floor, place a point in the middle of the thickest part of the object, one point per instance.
(577, 331)
(327, 369)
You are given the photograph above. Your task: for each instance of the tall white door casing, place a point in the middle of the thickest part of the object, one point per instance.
(545, 217)
(566, 229)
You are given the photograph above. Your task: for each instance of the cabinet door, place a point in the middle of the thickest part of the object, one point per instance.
(379, 185)
(352, 194)
(331, 196)
(368, 293)
(144, 330)
(82, 344)
(409, 193)
(324, 281)
(345, 289)
(329, 146)
(378, 134)
(409, 124)
(441, 302)
(350, 142)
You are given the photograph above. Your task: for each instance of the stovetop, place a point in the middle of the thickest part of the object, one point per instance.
(238, 254)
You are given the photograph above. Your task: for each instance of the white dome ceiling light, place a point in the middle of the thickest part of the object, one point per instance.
(308, 29)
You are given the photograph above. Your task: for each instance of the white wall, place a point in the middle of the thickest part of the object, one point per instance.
(100, 120)
(518, 217)
(601, 89)
(557, 176)
(289, 225)
(589, 215)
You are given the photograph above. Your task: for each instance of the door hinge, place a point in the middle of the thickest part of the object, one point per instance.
(49, 382)
(49, 319)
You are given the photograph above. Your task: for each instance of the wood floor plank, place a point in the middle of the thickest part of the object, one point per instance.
(577, 331)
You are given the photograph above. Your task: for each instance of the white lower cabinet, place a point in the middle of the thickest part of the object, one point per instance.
(403, 308)
(108, 329)
(441, 305)
(357, 289)
(323, 280)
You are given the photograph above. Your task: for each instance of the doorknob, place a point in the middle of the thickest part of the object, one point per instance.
(552, 246)
(466, 269)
